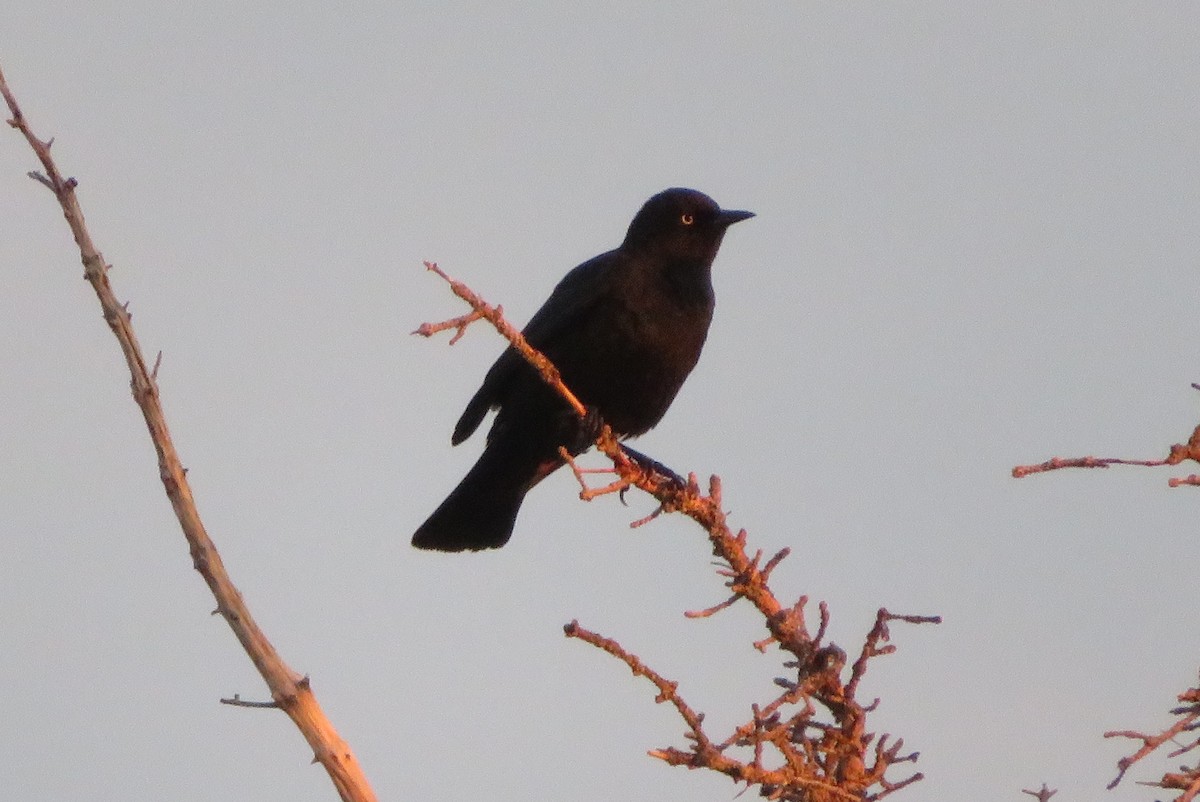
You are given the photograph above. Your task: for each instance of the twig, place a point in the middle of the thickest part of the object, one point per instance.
(1055, 463)
(288, 689)
(1179, 452)
(666, 688)
(495, 316)
(716, 608)
(458, 323)
(237, 701)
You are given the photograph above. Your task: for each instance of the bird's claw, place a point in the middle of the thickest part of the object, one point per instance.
(653, 466)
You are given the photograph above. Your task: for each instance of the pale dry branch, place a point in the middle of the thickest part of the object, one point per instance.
(289, 690)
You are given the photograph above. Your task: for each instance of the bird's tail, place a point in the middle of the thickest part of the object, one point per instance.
(481, 511)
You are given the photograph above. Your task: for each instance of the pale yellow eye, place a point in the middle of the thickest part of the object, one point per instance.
(687, 219)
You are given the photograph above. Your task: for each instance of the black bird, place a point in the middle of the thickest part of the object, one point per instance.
(624, 329)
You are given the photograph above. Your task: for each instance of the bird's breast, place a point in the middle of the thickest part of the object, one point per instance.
(636, 363)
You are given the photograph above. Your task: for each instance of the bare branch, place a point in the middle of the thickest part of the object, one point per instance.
(1055, 463)
(289, 690)
(1179, 452)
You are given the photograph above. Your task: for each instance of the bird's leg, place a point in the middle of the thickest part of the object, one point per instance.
(586, 431)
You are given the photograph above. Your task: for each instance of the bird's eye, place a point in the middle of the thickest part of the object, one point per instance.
(687, 219)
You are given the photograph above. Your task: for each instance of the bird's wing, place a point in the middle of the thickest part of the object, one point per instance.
(578, 289)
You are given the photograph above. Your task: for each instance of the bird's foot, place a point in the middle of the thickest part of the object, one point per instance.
(653, 466)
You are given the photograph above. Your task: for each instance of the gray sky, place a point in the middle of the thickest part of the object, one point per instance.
(975, 247)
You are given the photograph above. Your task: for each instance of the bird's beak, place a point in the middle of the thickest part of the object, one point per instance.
(727, 217)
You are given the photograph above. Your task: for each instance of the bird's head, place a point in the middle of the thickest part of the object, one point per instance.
(682, 225)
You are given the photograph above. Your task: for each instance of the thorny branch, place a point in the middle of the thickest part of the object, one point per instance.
(790, 749)
(289, 690)
(1187, 779)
